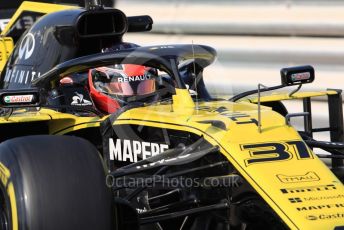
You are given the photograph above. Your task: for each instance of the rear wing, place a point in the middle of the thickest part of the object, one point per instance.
(26, 15)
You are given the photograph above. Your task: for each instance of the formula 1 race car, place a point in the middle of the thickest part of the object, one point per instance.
(165, 154)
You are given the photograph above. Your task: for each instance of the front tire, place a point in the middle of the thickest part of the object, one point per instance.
(53, 182)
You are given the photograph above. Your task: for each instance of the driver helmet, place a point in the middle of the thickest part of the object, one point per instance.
(112, 87)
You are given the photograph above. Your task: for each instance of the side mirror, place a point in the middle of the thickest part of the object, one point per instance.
(140, 23)
(297, 75)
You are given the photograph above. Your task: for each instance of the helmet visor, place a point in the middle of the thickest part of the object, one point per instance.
(117, 83)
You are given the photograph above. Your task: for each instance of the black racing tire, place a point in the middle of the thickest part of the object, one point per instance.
(53, 182)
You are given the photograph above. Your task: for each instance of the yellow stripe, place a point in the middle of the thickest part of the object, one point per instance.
(5, 177)
(12, 195)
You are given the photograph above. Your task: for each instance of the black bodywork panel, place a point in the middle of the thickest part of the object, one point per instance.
(61, 36)
(58, 37)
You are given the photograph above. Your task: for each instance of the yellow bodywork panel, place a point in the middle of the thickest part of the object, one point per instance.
(182, 99)
(6, 47)
(59, 123)
(23, 115)
(44, 8)
(62, 123)
(5, 177)
(275, 162)
(272, 161)
(280, 96)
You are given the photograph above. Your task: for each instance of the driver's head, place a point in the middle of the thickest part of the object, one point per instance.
(112, 87)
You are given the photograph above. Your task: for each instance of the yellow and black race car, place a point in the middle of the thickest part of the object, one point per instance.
(97, 137)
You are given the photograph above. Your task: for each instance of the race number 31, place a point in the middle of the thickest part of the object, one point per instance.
(276, 151)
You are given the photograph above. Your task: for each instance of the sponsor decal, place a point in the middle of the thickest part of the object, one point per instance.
(320, 207)
(275, 151)
(309, 189)
(133, 78)
(315, 198)
(128, 150)
(339, 196)
(330, 216)
(309, 176)
(21, 76)
(3, 23)
(79, 100)
(18, 99)
(161, 47)
(295, 200)
(140, 210)
(238, 117)
(27, 46)
(300, 76)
